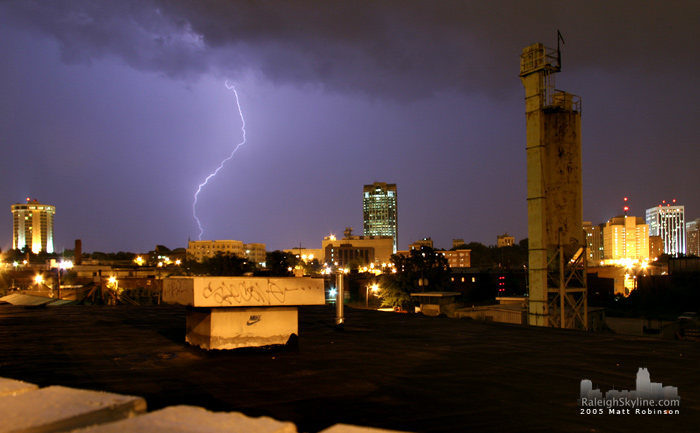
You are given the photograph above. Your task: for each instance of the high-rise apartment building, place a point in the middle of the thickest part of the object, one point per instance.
(625, 237)
(692, 233)
(656, 247)
(32, 226)
(380, 212)
(668, 221)
(594, 243)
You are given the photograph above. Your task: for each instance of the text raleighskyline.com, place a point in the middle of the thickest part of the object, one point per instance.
(648, 394)
(627, 402)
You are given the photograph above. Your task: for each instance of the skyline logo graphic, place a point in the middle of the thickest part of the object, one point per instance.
(649, 398)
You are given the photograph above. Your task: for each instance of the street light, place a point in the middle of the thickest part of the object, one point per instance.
(340, 299)
(62, 265)
(375, 288)
(113, 286)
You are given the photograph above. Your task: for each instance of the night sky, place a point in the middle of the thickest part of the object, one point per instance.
(116, 111)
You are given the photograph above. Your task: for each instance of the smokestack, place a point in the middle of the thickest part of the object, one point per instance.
(78, 252)
(339, 301)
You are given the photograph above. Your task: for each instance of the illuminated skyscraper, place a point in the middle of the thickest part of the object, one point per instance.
(379, 208)
(594, 241)
(33, 226)
(668, 222)
(692, 240)
(625, 237)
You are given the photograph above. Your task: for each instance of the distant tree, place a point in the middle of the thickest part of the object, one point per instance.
(354, 265)
(14, 256)
(395, 291)
(229, 265)
(122, 255)
(277, 263)
(524, 244)
(663, 259)
(424, 265)
(510, 257)
(99, 256)
(481, 255)
(162, 249)
(312, 267)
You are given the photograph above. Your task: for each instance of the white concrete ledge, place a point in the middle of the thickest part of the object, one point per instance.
(232, 328)
(346, 428)
(11, 387)
(26, 409)
(243, 291)
(58, 408)
(192, 419)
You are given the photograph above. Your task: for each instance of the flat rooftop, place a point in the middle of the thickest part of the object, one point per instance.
(389, 370)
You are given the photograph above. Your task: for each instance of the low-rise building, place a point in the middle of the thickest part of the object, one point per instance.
(200, 250)
(505, 240)
(458, 258)
(383, 247)
(425, 242)
(346, 254)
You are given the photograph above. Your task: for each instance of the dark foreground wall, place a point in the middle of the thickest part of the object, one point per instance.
(396, 371)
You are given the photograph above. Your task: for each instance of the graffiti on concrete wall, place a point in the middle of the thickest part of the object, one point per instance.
(243, 291)
(249, 291)
(177, 288)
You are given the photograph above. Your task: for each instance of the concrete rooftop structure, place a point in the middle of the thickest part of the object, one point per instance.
(395, 371)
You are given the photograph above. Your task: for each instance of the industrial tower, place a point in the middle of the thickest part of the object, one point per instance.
(557, 259)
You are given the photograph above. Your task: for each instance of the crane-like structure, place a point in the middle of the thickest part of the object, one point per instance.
(557, 259)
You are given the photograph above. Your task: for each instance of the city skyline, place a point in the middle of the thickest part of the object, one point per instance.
(114, 113)
(644, 389)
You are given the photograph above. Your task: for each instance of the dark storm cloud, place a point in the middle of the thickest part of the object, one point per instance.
(400, 49)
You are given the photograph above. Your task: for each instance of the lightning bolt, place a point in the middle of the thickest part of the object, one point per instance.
(201, 185)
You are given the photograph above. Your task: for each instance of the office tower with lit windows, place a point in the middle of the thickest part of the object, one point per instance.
(692, 238)
(625, 237)
(32, 226)
(594, 242)
(668, 222)
(380, 212)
